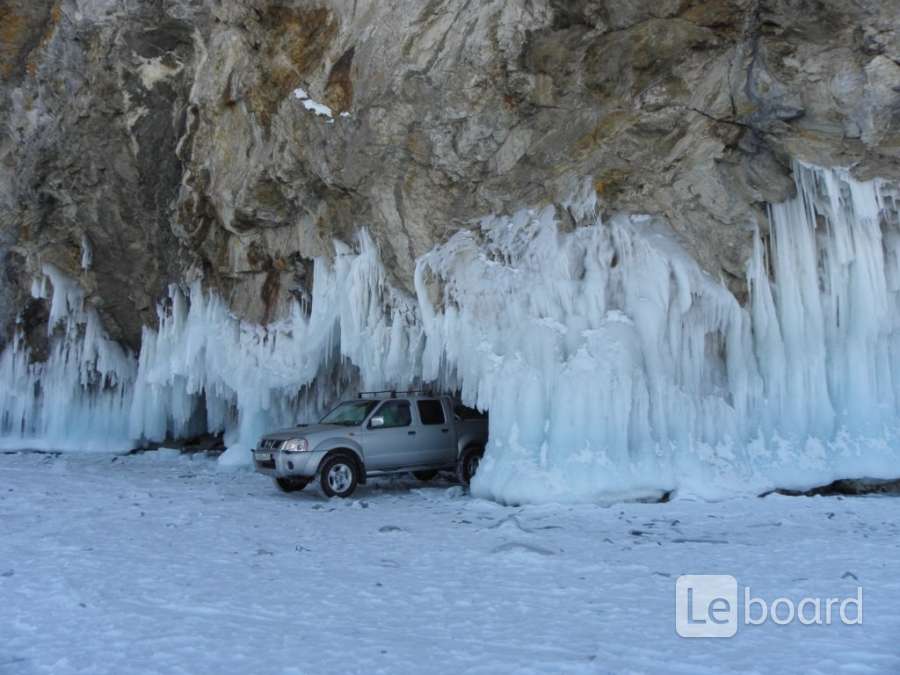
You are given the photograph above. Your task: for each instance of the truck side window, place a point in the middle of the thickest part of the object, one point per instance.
(395, 414)
(431, 412)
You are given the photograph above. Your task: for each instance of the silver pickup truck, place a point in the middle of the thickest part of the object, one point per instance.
(377, 434)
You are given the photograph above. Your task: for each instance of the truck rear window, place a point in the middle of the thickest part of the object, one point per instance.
(431, 412)
(466, 413)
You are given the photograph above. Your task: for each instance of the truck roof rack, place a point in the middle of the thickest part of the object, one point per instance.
(394, 392)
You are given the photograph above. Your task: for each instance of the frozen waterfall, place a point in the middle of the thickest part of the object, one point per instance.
(610, 362)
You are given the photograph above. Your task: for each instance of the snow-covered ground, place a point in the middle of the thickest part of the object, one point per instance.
(161, 564)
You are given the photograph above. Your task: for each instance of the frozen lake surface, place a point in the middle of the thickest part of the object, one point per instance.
(168, 564)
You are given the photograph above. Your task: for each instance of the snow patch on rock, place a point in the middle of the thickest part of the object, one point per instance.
(155, 70)
(314, 106)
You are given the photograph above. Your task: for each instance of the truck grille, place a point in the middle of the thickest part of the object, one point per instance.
(269, 444)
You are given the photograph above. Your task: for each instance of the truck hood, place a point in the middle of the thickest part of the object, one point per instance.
(306, 430)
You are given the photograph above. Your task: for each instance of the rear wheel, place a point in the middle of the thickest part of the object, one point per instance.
(425, 475)
(291, 484)
(468, 464)
(339, 476)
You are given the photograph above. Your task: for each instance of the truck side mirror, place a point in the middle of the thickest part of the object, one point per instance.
(376, 422)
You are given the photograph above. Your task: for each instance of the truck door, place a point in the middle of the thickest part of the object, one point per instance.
(391, 439)
(436, 438)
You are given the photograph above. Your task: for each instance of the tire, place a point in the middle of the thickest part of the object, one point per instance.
(291, 484)
(339, 476)
(468, 464)
(425, 476)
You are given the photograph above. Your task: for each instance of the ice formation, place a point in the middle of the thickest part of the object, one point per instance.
(610, 362)
(87, 253)
(203, 364)
(78, 398)
(205, 370)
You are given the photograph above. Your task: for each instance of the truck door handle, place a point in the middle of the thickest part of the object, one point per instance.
(411, 433)
(445, 431)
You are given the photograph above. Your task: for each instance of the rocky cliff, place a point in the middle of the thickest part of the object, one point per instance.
(146, 142)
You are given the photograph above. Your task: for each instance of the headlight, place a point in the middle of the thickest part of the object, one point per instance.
(296, 445)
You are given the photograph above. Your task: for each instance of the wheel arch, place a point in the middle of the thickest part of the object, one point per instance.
(466, 444)
(347, 451)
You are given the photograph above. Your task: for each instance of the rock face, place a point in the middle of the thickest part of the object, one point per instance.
(146, 142)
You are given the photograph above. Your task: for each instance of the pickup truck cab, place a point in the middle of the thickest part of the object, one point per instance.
(377, 434)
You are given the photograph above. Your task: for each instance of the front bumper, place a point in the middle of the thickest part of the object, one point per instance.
(287, 464)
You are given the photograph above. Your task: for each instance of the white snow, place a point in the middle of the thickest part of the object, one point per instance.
(314, 106)
(611, 364)
(163, 564)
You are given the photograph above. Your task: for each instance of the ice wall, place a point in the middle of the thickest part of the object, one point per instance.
(611, 364)
(203, 369)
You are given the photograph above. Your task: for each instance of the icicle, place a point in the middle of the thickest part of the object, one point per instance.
(87, 253)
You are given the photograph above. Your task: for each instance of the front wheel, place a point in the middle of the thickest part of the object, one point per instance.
(339, 476)
(468, 464)
(291, 484)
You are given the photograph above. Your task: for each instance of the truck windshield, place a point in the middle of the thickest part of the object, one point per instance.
(349, 413)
